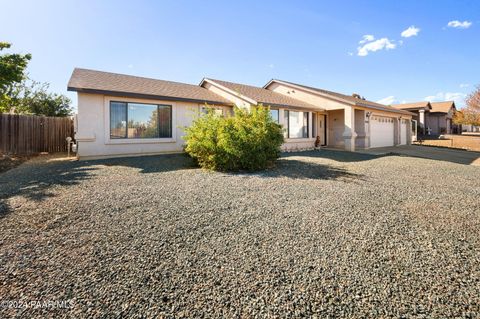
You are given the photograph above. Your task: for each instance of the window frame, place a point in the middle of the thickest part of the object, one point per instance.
(277, 120)
(287, 121)
(142, 140)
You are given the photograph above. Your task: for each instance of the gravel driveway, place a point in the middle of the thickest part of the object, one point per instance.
(324, 234)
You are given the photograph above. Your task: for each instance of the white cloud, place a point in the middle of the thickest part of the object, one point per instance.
(366, 38)
(388, 100)
(130, 66)
(460, 25)
(271, 65)
(350, 53)
(464, 85)
(458, 97)
(410, 32)
(372, 46)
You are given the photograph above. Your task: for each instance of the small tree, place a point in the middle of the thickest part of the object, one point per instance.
(470, 115)
(248, 140)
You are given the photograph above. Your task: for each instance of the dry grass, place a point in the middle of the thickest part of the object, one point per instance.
(471, 143)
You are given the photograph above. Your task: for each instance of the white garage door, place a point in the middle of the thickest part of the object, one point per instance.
(403, 134)
(381, 131)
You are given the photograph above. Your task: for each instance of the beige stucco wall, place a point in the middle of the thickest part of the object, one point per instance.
(307, 97)
(436, 121)
(335, 128)
(238, 101)
(93, 133)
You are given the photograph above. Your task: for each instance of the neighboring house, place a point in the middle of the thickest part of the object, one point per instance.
(468, 128)
(433, 118)
(122, 115)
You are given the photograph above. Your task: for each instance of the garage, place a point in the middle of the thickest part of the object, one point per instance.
(403, 132)
(382, 131)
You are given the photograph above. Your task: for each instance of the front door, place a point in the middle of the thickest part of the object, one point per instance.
(322, 128)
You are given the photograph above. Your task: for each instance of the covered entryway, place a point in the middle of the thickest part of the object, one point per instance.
(382, 131)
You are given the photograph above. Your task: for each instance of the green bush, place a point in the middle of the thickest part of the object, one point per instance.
(248, 140)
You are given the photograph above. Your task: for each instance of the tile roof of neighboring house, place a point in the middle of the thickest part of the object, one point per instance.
(264, 96)
(414, 105)
(91, 81)
(442, 107)
(347, 98)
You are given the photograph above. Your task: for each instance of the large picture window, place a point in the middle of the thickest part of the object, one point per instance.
(138, 120)
(296, 124)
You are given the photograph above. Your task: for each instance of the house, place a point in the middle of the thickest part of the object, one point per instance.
(433, 118)
(124, 115)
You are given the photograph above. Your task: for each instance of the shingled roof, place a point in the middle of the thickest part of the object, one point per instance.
(91, 81)
(433, 107)
(343, 97)
(415, 105)
(442, 107)
(263, 96)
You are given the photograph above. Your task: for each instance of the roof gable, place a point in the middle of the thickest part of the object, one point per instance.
(343, 98)
(257, 95)
(414, 106)
(91, 81)
(442, 107)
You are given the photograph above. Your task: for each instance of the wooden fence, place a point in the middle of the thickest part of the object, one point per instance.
(30, 134)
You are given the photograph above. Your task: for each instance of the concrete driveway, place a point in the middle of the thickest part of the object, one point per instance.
(435, 153)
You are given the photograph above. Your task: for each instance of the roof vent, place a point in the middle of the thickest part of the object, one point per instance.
(357, 96)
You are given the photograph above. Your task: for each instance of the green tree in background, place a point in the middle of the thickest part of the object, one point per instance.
(30, 97)
(20, 95)
(12, 72)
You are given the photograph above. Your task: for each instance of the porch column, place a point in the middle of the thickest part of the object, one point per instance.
(409, 132)
(349, 134)
(421, 119)
(397, 127)
(310, 125)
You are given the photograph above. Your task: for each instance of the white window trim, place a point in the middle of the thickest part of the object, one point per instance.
(106, 116)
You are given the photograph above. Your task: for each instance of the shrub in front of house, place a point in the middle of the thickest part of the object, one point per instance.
(247, 140)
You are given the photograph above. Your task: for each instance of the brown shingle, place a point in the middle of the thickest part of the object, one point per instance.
(415, 105)
(442, 107)
(348, 98)
(91, 81)
(264, 96)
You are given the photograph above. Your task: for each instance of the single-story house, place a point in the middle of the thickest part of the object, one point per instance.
(124, 115)
(433, 118)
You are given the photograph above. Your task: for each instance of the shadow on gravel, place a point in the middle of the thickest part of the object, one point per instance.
(34, 181)
(150, 164)
(339, 156)
(297, 169)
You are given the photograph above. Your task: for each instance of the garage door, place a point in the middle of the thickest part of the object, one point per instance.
(381, 131)
(403, 132)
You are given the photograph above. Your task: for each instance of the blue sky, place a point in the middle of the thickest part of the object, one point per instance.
(314, 43)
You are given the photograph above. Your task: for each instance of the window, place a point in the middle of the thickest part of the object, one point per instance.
(216, 110)
(137, 120)
(274, 114)
(297, 124)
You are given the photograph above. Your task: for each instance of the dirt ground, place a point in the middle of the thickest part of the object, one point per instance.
(10, 161)
(471, 143)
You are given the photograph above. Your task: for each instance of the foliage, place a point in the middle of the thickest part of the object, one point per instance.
(248, 140)
(12, 71)
(473, 100)
(470, 115)
(30, 97)
(467, 116)
(18, 94)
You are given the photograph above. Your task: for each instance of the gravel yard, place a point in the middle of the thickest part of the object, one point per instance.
(325, 234)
